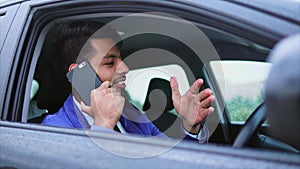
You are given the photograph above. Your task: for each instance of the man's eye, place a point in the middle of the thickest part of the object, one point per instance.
(110, 63)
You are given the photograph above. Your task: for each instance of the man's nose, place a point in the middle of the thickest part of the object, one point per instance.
(122, 67)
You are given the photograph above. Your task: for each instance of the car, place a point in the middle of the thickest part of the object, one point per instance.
(226, 43)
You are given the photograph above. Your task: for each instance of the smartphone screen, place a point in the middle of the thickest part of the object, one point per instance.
(84, 79)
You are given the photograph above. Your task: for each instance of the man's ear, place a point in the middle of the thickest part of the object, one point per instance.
(72, 66)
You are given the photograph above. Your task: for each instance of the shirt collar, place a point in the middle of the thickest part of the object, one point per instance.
(88, 118)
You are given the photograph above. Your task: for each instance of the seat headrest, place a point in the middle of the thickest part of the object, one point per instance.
(34, 88)
(53, 87)
(163, 96)
(138, 81)
(283, 91)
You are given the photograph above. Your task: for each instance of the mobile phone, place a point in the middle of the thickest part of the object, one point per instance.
(84, 79)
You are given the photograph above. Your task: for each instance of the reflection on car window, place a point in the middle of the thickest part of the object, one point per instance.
(241, 84)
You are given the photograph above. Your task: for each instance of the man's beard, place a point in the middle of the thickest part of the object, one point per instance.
(125, 94)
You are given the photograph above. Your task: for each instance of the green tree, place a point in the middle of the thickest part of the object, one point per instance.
(240, 108)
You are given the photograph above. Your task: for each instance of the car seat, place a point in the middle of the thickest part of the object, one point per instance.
(150, 91)
(159, 105)
(283, 91)
(34, 111)
(53, 88)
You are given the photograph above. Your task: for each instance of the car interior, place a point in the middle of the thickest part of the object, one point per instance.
(50, 88)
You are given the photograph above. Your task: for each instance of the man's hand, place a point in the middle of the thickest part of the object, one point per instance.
(106, 106)
(193, 106)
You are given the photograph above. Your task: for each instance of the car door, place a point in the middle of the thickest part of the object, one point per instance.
(234, 38)
(7, 15)
(240, 30)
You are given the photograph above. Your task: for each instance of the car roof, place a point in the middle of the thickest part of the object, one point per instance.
(4, 3)
(287, 9)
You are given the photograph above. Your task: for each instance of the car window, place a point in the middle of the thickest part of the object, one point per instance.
(241, 84)
(141, 58)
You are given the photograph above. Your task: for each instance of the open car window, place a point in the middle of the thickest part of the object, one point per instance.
(161, 56)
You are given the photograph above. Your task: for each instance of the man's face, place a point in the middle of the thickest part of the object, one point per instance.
(107, 62)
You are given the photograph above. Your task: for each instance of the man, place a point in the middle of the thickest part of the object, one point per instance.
(110, 107)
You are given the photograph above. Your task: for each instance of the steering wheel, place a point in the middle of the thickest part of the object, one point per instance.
(251, 126)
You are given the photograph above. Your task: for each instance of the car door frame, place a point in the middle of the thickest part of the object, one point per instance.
(34, 15)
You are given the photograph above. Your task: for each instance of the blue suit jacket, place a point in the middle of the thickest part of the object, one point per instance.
(132, 120)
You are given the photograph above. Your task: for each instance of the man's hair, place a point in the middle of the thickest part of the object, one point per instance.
(72, 45)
